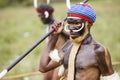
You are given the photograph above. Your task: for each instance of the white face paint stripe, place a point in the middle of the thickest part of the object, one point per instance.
(80, 28)
(65, 28)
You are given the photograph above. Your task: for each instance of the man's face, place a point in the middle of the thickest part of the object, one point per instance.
(76, 27)
(43, 19)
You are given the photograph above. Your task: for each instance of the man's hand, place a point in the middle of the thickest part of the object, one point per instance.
(57, 26)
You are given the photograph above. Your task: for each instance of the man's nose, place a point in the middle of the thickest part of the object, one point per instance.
(71, 27)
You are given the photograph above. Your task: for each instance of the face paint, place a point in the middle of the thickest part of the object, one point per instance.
(45, 15)
(82, 37)
(78, 27)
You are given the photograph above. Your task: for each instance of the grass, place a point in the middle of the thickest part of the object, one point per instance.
(20, 28)
(14, 24)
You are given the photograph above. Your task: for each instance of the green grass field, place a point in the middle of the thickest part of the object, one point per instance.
(20, 28)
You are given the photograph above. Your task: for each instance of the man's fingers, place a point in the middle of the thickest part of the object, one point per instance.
(57, 26)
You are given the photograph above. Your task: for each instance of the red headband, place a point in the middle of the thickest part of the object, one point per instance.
(79, 16)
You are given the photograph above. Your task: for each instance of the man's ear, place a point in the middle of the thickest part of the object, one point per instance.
(90, 24)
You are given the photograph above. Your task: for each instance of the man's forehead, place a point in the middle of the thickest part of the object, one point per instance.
(71, 19)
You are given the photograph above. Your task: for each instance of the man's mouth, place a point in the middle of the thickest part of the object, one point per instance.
(77, 34)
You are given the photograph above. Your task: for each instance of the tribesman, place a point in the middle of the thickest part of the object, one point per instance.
(45, 13)
(82, 56)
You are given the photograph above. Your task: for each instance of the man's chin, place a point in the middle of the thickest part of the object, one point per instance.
(74, 36)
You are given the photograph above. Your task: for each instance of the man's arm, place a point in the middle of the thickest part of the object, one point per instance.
(104, 61)
(105, 64)
(46, 63)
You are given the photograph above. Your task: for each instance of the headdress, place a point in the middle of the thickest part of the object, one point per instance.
(82, 10)
(45, 7)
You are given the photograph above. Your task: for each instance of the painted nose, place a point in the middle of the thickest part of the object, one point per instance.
(72, 27)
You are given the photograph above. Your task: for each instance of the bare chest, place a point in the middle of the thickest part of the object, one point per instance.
(84, 58)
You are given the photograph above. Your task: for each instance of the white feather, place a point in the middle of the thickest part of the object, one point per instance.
(114, 76)
(35, 3)
(61, 70)
(54, 55)
(68, 4)
(48, 1)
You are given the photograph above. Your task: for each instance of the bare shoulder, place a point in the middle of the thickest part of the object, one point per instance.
(103, 59)
(98, 48)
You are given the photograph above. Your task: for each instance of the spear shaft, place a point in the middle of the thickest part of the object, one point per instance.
(4, 72)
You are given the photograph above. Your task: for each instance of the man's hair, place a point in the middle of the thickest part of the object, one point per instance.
(45, 7)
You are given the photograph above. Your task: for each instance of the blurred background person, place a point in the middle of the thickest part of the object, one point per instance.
(45, 13)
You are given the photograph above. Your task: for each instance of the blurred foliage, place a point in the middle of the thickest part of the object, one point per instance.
(4, 3)
(7, 3)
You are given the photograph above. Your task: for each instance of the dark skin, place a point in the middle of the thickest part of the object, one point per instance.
(52, 75)
(44, 20)
(92, 59)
